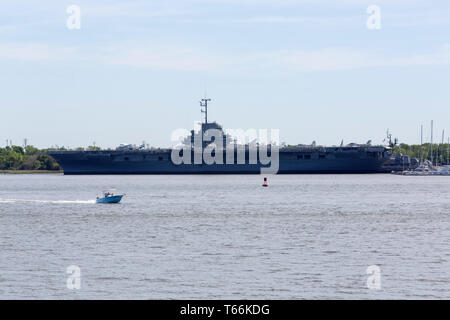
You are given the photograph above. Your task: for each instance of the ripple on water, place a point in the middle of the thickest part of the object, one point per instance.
(198, 237)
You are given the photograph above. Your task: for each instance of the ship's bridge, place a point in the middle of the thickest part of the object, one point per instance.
(206, 136)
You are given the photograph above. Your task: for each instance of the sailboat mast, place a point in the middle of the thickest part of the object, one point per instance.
(448, 151)
(421, 144)
(431, 144)
(442, 146)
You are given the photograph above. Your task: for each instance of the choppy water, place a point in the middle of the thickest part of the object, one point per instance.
(205, 237)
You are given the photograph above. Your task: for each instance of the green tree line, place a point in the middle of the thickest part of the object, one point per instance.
(28, 158)
(440, 151)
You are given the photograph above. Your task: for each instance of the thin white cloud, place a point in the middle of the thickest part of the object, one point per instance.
(390, 19)
(440, 57)
(395, 13)
(183, 58)
(160, 57)
(330, 59)
(134, 9)
(327, 59)
(305, 20)
(7, 28)
(36, 52)
(305, 2)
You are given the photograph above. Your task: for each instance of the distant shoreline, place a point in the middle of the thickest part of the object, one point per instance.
(30, 172)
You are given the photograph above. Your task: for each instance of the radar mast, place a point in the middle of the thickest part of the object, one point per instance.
(204, 103)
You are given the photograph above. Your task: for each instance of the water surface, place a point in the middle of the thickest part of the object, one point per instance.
(225, 237)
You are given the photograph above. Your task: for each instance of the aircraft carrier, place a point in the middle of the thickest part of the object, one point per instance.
(200, 154)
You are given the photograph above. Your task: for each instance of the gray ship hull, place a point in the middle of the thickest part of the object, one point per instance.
(325, 160)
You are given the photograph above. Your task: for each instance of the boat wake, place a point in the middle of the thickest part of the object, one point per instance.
(47, 201)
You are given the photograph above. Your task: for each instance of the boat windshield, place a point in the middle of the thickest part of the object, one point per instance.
(109, 192)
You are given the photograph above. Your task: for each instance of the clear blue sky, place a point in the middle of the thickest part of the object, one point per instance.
(136, 69)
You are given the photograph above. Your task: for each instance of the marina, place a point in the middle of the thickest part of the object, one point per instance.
(426, 170)
(438, 163)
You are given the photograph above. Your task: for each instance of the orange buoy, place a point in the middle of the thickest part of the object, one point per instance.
(265, 184)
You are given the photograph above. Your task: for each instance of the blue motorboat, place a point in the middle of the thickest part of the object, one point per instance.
(109, 197)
